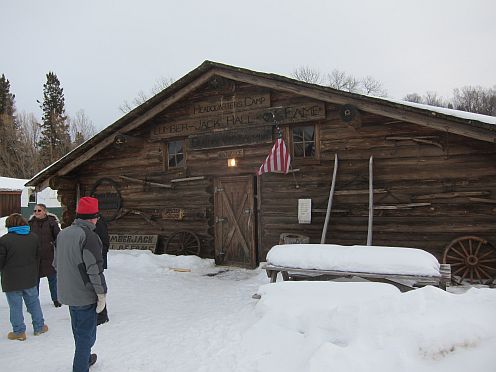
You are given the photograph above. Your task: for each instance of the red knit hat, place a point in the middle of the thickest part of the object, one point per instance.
(87, 208)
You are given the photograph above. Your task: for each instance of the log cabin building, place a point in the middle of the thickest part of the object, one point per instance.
(179, 171)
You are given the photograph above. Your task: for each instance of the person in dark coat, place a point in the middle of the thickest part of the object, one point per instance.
(19, 265)
(101, 230)
(46, 226)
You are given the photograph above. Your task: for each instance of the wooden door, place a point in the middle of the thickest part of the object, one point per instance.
(235, 221)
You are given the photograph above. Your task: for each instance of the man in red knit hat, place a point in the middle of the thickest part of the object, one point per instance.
(82, 286)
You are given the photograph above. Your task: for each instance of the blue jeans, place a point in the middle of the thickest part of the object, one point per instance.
(30, 296)
(83, 320)
(52, 284)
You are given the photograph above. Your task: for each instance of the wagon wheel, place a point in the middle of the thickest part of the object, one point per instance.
(183, 243)
(471, 258)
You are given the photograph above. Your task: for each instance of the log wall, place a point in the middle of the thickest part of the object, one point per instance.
(449, 181)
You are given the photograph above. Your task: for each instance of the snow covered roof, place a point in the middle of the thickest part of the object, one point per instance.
(12, 184)
(446, 111)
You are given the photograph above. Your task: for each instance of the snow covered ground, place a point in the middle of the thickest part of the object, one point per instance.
(206, 320)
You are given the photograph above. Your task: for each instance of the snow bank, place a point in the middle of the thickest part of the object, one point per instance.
(206, 321)
(315, 326)
(144, 260)
(356, 258)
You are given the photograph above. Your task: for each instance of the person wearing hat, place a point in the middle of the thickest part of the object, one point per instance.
(81, 283)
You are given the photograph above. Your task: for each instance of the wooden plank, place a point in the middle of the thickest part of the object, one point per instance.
(359, 192)
(143, 182)
(450, 195)
(133, 241)
(401, 206)
(483, 200)
(296, 113)
(416, 278)
(230, 138)
(233, 103)
(188, 179)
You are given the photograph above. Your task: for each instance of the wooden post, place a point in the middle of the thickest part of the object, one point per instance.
(445, 271)
(329, 203)
(371, 202)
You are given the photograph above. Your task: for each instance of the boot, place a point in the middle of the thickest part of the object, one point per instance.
(42, 330)
(56, 303)
(17, 336)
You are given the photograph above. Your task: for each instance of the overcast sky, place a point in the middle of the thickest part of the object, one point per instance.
(104, 52)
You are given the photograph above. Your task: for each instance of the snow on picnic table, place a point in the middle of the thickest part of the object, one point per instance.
(355, 258)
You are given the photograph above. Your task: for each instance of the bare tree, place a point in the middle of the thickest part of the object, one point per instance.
(475, 99)
(431, 98)
(142, 97)
(338, 80)
(308, 75)
(81, 128)
(28, 160)
(413, 97)
(372, 86)
(161, 84)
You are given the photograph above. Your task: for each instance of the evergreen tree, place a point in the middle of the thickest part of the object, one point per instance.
(9, 136)
(55, 139)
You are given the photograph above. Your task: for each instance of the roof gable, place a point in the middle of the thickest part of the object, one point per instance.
(471, 125)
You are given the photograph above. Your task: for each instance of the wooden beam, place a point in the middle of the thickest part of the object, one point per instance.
(121, 140)
(449, 195)
(483, 200)
(146, 182)
(188, 179)
(359, 192)
(368, 104)
(401, 206)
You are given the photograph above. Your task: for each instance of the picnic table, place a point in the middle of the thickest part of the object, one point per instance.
(406, 268)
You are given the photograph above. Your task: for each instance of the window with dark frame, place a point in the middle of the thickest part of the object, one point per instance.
(304, 141)
(175, 154)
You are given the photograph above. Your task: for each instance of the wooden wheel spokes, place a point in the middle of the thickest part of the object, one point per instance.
(472, 258)
(183, 243)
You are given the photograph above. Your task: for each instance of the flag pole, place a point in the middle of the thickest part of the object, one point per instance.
(279, 136)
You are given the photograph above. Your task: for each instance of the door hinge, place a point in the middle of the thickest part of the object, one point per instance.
(218, 189)
(217, 219)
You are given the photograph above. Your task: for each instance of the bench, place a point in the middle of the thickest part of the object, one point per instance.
(406, 268)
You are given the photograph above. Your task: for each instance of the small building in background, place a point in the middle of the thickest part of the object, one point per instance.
(17, 198)
(10, 195)
(30, 198)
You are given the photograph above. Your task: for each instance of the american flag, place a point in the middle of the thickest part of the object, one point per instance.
(278, 159)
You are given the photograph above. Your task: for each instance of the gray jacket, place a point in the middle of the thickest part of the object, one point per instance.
(79, 264)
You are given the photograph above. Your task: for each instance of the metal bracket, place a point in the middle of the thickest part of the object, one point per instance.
(217, 219)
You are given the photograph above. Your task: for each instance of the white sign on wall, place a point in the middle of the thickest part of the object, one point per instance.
(304, 210)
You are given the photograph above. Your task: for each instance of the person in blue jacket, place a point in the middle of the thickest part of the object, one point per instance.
(19, 265)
